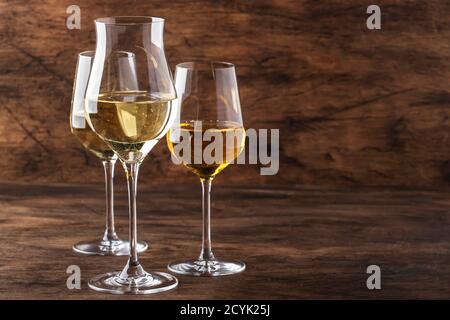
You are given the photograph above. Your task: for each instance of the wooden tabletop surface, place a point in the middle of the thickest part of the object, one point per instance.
(298, 242)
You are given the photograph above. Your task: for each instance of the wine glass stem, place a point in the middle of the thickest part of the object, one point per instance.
(132, 175)
(110, 233)
(206, 253)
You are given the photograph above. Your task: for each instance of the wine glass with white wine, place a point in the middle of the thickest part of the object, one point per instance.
(110, 244)
(131, 120)
(207, 135)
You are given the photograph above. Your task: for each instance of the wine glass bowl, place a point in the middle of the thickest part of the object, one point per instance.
(209, 113)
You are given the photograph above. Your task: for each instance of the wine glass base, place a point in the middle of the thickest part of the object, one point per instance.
(150, 282)
(107, 248)
(211, 268)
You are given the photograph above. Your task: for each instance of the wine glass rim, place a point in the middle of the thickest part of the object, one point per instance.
(191, 64)
(91, 53)
(129, 20)
(87, 53)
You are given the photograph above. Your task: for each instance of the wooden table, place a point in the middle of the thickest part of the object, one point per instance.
(298, 242)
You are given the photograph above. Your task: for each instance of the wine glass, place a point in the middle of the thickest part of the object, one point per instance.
(209, 111)
(110, 244)
(131, 120)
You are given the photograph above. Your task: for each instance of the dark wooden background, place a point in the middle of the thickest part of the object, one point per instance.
(355, 107)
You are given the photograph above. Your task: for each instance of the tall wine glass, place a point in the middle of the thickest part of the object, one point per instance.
(209, 112)
(131, 120)
(110, 244)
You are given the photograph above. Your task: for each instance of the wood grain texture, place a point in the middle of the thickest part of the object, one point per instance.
(355, 107)
(297, 242)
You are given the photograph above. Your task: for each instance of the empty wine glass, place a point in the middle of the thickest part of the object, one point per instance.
(207, 135)
(131, 120)
(110, 244)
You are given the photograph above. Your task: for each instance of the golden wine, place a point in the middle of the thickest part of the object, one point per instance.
(92, 142)
(231, 147)
(130, 122)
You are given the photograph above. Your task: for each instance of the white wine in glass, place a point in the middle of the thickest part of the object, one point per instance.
(231, 148)
(130, 121)
(110, 244)
(91, 142)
